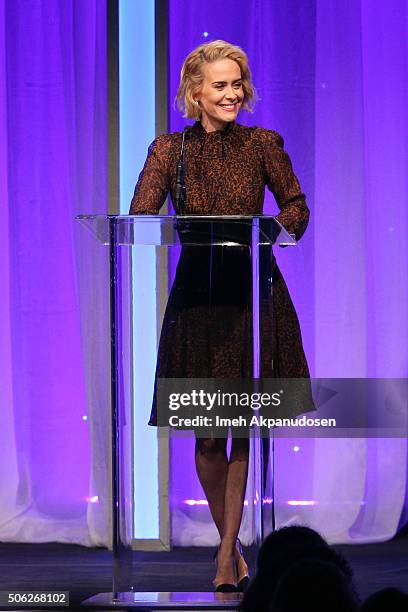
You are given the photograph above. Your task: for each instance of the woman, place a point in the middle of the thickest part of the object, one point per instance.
(226, 169)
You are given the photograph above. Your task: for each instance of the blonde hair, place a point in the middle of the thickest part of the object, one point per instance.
(191, 77)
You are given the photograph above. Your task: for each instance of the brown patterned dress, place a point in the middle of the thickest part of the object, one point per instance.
(207, 324)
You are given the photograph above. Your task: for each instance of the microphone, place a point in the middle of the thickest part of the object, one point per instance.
(180, 202)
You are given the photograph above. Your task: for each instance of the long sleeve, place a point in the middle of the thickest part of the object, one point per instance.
(153, 183)
(282, 181)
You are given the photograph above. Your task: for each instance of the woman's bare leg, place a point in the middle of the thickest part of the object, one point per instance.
(212, 470)
(234, 504)
(224, 484)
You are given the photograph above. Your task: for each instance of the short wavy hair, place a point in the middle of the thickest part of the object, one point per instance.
(192, 76)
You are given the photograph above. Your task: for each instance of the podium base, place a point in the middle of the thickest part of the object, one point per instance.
(165, 601)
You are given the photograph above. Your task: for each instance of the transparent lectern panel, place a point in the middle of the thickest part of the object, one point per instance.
(193, 230)
(191, 329)
(186, 296)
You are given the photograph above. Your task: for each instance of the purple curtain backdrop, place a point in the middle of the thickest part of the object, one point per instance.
(332, 79)
(53, 155)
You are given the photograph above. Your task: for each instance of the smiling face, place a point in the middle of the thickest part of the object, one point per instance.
(221, 94)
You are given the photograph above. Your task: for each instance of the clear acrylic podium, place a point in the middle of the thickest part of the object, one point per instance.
(144, 252)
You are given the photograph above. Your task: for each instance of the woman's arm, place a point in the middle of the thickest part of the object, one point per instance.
(153, 183)
(282, 181)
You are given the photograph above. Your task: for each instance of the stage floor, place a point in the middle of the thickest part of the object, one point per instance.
(84, 571)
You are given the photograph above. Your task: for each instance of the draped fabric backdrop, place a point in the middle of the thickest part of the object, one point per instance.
(332, 79)
(53, 159)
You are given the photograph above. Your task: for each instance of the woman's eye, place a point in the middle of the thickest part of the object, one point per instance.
(235, 86)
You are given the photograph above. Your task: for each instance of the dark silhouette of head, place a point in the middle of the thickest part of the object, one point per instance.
(386, 600)
(280, 550)
(314, 586)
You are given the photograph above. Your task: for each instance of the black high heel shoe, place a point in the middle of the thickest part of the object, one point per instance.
(226, 588)
(223, 587)
(242, 570)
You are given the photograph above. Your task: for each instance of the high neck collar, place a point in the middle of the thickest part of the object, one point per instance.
(201, 131)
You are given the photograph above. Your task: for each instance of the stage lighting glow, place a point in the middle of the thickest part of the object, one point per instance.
(84, 418)
(196, 502)
(137, 131)
(92, 500)
(301, 502)
(205, 34)
(202, 502)
(296, 449)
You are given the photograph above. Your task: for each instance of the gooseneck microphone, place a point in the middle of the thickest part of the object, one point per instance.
(180, 202)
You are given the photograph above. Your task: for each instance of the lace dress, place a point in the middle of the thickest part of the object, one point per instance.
(207, 324)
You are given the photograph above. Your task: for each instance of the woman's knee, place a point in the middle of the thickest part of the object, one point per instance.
(239, 448)
(210, 446)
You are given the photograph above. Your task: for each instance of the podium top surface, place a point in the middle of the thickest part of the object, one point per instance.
(192, 230)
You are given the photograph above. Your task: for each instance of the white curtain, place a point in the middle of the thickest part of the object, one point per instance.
(54, 366)
(333, 79)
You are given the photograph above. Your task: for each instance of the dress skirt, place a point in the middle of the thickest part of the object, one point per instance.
(207, 326)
